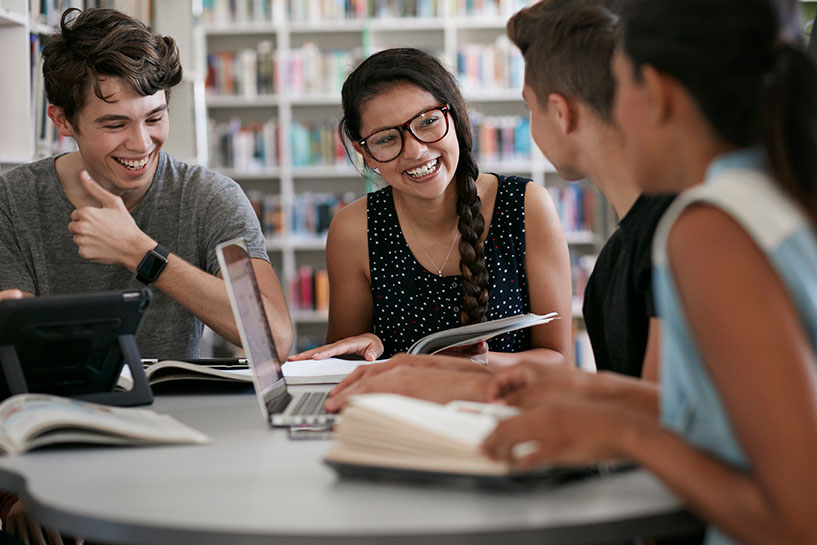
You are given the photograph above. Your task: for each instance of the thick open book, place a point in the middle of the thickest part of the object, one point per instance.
(327, 371)
(388, 435)
(471, 334)
(28, 421)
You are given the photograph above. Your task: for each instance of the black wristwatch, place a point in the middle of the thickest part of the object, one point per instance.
(152, 265)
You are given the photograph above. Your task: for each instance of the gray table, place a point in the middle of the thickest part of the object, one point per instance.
(253, 485)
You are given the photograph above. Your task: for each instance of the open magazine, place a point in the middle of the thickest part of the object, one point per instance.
(388, 435)
(473, 333)
(29, 421)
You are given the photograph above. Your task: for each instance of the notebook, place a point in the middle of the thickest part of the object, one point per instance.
(278, 405)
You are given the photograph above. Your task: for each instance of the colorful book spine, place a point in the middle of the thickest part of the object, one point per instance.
(500, 138)
(311, 70)
(248, 72)
(497, 65)
(316, 144)
(313, 11)
(245, 148)
(575, 204)
(225, 12)
(309, 290)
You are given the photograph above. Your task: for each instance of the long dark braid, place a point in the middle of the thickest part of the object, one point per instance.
(392, 66)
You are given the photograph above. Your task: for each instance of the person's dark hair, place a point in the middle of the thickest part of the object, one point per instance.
(744, 64)
(387, 68)
(105, 42)
(568, 45)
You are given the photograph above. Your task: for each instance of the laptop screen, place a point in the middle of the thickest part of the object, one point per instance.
(251, 319)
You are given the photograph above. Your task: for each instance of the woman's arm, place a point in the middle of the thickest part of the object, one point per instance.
(764, 368)
(547, 264)
(350, 289)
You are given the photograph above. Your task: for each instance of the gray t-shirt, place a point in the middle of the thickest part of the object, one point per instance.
(188, 210)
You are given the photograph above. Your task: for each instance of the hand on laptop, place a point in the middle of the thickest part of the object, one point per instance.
(528, 383)
(367, 345)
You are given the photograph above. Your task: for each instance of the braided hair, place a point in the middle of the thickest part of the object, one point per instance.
(407, 65)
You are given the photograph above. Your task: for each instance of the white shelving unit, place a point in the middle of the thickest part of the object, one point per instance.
(443, 34)
(16, 121)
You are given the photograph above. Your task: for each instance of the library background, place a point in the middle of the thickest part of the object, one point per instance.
(260, 103)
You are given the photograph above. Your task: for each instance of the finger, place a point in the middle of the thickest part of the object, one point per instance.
(11, 525)
(54, 537)
(11, 294)
(362, 372)
(105, 197)
(36, 532)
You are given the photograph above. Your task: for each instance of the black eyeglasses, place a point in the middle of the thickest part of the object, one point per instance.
(428, 126)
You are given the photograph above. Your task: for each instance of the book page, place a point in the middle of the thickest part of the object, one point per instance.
(32, 416)
(326, 371)
(474, 333)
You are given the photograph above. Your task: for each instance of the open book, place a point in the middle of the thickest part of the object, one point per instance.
(28, 421)
(473, 333)
(388, 435)
(327, 371)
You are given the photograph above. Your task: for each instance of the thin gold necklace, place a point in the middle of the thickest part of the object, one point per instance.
(422, 247)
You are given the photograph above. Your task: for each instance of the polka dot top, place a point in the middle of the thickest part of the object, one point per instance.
(411, 302)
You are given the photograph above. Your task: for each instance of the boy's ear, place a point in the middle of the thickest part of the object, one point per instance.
(562, 111)
(659, 92)
(57, 116)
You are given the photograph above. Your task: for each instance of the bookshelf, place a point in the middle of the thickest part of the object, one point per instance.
(26, 133)
(274, 69)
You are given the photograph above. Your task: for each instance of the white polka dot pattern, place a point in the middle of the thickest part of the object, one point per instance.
(411, 302)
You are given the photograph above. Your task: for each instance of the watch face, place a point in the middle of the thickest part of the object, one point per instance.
(151, 266)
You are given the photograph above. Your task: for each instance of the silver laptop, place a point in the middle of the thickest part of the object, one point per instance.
(280, 408)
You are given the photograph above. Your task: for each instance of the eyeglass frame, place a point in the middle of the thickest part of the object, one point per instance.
(444, 108)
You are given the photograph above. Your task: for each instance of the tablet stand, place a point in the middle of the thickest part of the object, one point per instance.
(139, 394)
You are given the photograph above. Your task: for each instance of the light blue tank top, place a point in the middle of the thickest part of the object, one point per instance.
(738, 184)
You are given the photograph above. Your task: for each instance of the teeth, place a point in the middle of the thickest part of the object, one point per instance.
(133, 165)
(424, 170)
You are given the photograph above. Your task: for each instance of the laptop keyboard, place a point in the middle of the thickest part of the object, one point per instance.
(311, 403)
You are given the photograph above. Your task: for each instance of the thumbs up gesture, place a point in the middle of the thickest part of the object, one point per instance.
(107, 233)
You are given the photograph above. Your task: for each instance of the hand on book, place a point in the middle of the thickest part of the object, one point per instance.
(567, 429)
(433, 378)
(367, 345)
(529, 383)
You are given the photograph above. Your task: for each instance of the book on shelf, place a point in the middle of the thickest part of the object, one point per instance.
(501, 138)
(490, 66)
(223, 12)
(309, 290)
(237, 371)
(388, 435)
(575, 205)
(466, 335)
(250, 147)
(29, 421)
(247, 73)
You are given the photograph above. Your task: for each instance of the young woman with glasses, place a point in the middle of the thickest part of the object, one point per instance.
(443, 244)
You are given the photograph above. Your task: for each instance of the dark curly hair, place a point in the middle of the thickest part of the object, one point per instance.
(407, 65)
(105, 42)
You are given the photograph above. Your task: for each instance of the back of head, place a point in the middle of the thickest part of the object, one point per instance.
(567, 45)
(105, 42)
(407, 65)
(744, 63)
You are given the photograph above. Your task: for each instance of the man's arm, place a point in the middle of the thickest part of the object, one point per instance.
(109, 234)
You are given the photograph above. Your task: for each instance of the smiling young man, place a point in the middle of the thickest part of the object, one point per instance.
(119, 213)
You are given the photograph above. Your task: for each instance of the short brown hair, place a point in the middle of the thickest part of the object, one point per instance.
(105, 42)
(568, 45)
